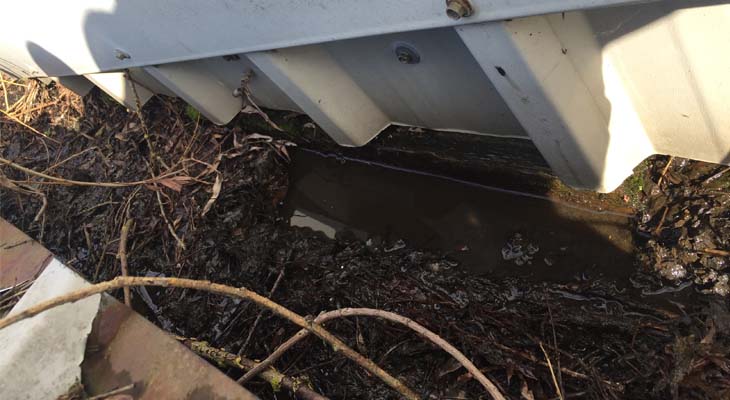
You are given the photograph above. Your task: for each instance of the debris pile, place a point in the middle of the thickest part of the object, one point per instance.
(204, 201)
(519, 251)
(686, 223)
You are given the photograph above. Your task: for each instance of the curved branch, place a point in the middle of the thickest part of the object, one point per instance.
(369, 312)
(243, 293)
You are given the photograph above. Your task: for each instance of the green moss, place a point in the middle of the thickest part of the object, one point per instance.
(633, 186)
(275, 384)
(192, 113)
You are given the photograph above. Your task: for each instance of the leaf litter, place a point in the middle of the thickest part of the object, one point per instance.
(218, 190)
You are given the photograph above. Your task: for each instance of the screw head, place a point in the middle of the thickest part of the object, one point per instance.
(407, 54)
(458, 9)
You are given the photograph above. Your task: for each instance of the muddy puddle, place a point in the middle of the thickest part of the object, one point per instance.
(486, 229)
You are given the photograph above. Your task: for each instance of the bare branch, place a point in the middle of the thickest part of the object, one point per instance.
(413, 325)
(243, 293)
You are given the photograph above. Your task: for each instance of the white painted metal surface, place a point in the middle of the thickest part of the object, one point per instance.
(596, 89)
(322, 88)
(599, 91)
(88, 36)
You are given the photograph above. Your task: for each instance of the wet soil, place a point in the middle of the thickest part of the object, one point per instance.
(515, 270)
(686, 225)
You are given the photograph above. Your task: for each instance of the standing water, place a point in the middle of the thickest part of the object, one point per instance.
(486, 229)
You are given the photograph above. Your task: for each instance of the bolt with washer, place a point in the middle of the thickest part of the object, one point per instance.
(458, 9)
(407, 54)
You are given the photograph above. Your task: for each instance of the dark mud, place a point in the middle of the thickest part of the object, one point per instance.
(511, 279)
(686, 224)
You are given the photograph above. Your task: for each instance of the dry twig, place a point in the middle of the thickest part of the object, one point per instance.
(717, 252)
(5, 94)
(20, 188)
(34, 130)
(112, 392)
(274, 377)
(69, 158)
(661, 221)
(63, 181)
(242, 350)
(243, 293)
(249, 106)
(123, 258)
(170, 228)
(552, 372)
(413, 325)
(664, 171)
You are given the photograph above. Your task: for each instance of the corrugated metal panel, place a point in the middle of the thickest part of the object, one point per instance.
(596, 90)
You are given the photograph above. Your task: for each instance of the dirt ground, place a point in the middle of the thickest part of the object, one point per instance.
(205, 202)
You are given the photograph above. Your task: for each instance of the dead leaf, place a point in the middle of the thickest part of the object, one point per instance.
(360, 342)
(5, 182)
(254, 109)
(710, 336)
(254, 136)
(466, 376)
(210, 168)
(121, 136)
(452, 365)
(216, 191)
(526, 393)
(175, 182)
(282, 150)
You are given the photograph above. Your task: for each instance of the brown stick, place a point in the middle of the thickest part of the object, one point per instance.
(123, 259)
(664, 172)
(63, 181)
(274, 377)
(278, 352)
(251, 331)
(34, 130)
(243, 293)
(569, 372)
(413, 325)
(112, 392)
(167, 220)
(552, 373)
(69, 158)
(717, 252)
(661, 221)
(5, 94)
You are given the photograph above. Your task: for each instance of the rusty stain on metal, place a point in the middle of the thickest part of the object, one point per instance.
(21, 258)
(125, 348)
